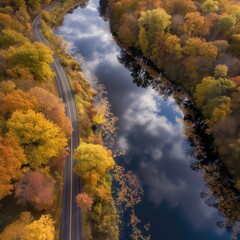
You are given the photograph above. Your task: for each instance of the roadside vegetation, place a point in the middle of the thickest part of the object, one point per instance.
(33, 129)
(196, 45)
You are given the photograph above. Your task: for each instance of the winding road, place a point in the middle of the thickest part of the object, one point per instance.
(70, 225)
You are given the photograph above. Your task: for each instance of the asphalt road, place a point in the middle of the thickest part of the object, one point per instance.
(70, 224)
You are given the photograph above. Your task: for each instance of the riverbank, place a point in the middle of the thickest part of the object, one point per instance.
(196, 60)
(96, 124)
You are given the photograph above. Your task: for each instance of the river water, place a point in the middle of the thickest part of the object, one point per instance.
(151, 133)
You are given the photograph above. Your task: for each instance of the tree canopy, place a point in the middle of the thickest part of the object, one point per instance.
(40, 138)
(93, 161)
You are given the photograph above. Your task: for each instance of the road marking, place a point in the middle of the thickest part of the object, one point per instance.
(61, 86)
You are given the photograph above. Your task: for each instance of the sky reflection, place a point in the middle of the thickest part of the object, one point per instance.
(151, 132)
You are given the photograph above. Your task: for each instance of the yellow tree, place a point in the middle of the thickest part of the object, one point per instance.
(143, 41)
(36, 57)
(10, 37)
(17, 229)
(93, 161)
(199, 47)
(42, 229)
(173, 45)
(40, 138)
(210, 6)
(27, 229)
(154, 21)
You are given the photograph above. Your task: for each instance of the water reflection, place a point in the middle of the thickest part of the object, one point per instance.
(150, 130)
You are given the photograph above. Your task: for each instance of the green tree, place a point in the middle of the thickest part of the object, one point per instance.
(40, 138)
(225, 24)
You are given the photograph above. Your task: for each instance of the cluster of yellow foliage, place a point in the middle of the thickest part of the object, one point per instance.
(26, 228)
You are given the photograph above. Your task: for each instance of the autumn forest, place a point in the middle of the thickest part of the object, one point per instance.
(49, 134)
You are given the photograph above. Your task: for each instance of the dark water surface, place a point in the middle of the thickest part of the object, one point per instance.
(151, 132)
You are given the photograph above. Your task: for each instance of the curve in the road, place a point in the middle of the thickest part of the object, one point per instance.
(70, 225)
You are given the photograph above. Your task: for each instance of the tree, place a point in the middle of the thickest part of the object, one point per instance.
(34, 4)
(93, 161)
(36, 189)
(154, 21)
(211, 88)
(143, 41)
(180, 7)
(17, 229)
(42, 229)
(221, 111)
(10, 37)
(6, 21)
(36, 57)
(18, 100)
(208, 89)
(173, 45)
(7, 86)
(21, 74)
(199, 47)
(84, 201)
(23, 17)
(225, 24)
(195, 24)
(128, 30)
(40, 138)
(53, 108)
(26, 229)
(144, 5)
(11, 159)
(210, 6)
(221, 70)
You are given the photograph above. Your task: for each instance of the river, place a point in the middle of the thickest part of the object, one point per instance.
(151, 133)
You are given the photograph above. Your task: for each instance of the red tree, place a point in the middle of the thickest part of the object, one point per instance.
(37, 189)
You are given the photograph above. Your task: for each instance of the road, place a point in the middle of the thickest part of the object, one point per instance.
(70, 225)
